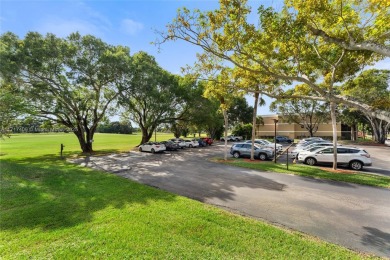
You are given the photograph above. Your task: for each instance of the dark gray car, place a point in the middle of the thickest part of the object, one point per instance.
(244, 150)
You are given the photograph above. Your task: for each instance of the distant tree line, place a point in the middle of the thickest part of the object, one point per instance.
(115, 127)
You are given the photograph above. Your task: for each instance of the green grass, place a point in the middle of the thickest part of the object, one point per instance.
(54, 209)
(314, 172)
(35, 145)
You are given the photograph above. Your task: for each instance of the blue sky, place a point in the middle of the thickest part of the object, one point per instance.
(118, 22)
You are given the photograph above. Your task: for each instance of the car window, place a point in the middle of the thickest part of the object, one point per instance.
(326, 151)
(342, 150)
(247, 146)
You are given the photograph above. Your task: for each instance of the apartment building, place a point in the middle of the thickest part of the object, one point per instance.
(293, 130)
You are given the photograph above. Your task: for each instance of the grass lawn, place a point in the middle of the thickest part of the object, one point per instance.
(54, 209)
(312, 171)
(34, 145)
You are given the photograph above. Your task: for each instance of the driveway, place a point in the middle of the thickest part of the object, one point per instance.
(355, 216)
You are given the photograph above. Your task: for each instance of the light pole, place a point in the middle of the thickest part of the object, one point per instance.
(275, 121)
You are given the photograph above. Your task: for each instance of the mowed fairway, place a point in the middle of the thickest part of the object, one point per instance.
(35, 145)
(54, 209)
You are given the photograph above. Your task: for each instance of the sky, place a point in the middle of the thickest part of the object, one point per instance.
(132, 23)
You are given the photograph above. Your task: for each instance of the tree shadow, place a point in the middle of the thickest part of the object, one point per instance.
(378, 239)
(175, 173)
(50, 193)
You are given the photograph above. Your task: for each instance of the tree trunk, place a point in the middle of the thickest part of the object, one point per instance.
(379, 129)
(256, 95)
(145, 135)
(353, 132)
(225, 118)
(85, 144)
(334, 131)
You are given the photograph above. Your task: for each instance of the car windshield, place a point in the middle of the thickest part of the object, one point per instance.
(314, 148)
(266, 141)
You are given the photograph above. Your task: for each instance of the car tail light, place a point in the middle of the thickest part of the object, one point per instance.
(157, 146)
(365, 155)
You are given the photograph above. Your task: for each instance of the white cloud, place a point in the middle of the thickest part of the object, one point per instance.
(131, 27)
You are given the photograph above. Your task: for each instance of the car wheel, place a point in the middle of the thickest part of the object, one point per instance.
(153, 151)
(356, 165)
(140, 149)
(190, 146)
(310, 161)
(262, 156)
(236, 155)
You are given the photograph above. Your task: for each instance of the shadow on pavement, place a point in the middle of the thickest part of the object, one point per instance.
(378, 239)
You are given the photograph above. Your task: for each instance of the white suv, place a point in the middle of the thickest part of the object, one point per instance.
(355, 158)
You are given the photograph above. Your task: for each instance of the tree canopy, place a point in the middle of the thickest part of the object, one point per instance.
(153, 95)
(72, 81)
(305, 112)
(281, 46)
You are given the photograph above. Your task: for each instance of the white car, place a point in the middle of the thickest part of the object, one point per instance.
(309, 139)
(387, 142)
(297, 150)
(312, 142)
(191, 144)
(180, 142)
(152, 147)
(265, 143)
(355, 158)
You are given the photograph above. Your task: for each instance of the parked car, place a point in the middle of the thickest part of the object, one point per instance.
(309, 139)
(200, 141)
(179, 141)
(305, 144)
(387, 142)
(208, 140)
(355, 158)
(191, 143)
(266, 143)
(244, 150)
(232, 138)
(297, 150)
(307, 151)
(171, 146)
(283, 139)
(153, 147)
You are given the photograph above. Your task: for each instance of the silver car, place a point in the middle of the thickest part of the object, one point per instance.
(355, 158)
(244, 150)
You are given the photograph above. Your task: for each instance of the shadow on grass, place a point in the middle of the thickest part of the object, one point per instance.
(49, 193)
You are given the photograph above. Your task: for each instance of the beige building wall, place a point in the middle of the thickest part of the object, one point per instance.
(291, 130)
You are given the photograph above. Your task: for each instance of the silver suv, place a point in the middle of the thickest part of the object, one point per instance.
(244, 150)
(355, 158)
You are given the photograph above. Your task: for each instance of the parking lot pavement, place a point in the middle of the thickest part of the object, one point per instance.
(355, 216)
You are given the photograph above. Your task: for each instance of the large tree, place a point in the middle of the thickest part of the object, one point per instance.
(154, 96)
(305, 112)
(240, 112)
(71, 81)
(372, 87)
(362, 25)
(281, 46)
(12, 105)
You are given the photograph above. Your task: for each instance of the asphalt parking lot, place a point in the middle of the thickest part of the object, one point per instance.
(355, 216)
